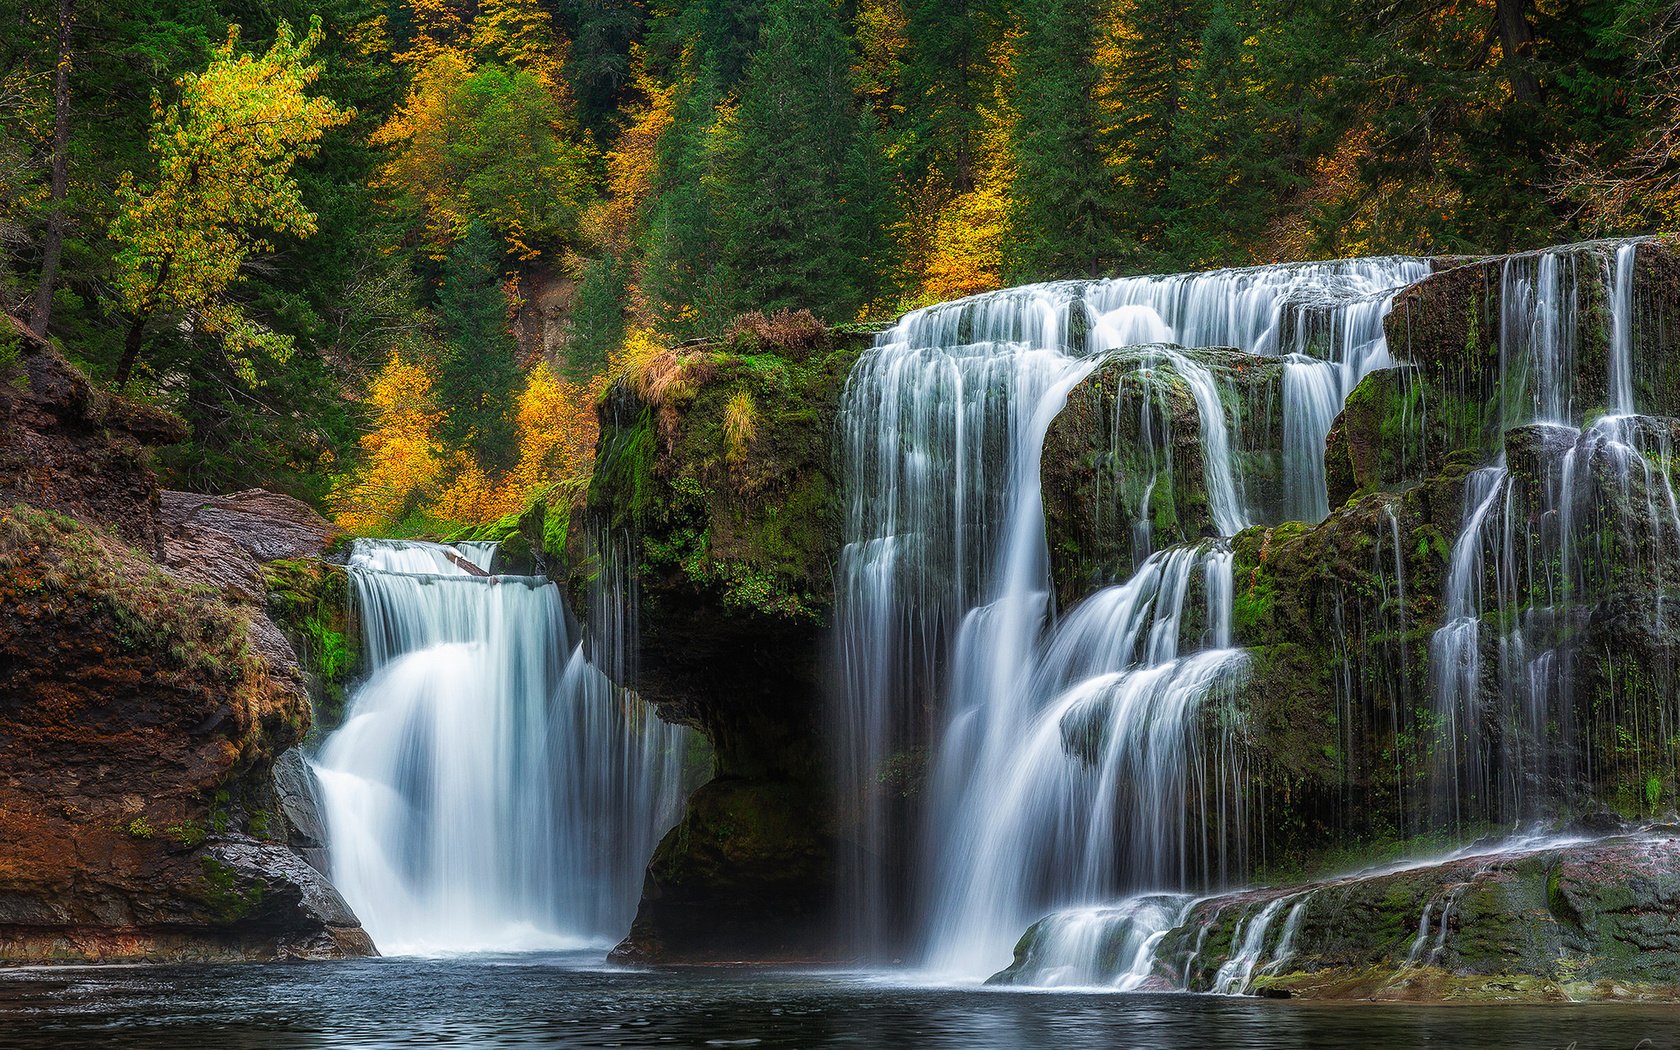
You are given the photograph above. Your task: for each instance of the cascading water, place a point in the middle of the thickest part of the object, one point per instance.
(1063, 763)
(489, 789)
(1526, 568)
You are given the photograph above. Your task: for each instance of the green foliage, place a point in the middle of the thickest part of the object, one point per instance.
(803, 199)
(11, 355)
(1062, 221)
(478, 377)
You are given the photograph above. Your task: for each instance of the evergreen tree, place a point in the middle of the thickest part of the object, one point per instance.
(1150, 58)
(1223, 162)
(479, 375)
(804, 203)
(680, 269)
(1062, 217)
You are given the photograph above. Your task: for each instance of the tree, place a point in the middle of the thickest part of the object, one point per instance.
(225, 152)
(1062, 216)
(804, 199)
(1224, 161)
(52, 251)
(481, 144)
(403, 458)
(479, 373)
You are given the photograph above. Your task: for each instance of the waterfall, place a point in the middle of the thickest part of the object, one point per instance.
(1063, 760)
(1621, 329)
(1527, 565)
(489, 788)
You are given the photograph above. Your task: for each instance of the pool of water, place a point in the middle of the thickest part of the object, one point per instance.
(572, 1000)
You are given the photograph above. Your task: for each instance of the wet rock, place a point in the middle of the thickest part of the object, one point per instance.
(295, 794)
(1535, 921)
(138, 728)
(741, 878)
(1123, 469)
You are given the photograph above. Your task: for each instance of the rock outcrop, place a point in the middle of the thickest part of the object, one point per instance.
(144, 699)
(715, 489)
(1579, 920)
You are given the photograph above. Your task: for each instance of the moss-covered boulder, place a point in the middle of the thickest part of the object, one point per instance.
(1124, 470)
(741, 878)
(1529, 923)
(715, 492)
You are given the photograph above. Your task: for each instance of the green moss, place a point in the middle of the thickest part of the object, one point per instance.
(309, 600)
(222, 892)
(189, 833)
(11, 356)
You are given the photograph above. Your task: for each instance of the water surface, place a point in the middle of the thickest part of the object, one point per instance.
(570, 1000)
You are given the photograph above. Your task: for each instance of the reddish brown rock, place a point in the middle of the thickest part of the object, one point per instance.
(68, 446)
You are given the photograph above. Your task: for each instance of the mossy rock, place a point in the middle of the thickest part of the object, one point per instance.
(309, 600)
(1123, 471)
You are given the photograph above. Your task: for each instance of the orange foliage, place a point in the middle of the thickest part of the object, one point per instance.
(557, 430)
(407, 470)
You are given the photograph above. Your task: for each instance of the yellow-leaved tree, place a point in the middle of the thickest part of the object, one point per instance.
(403, 456)
(223, 185)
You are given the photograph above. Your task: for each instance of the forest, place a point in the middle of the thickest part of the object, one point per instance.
(386, 256)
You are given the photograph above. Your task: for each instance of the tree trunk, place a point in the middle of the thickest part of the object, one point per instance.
(1516, 43)
(131, 350)
(52, 252)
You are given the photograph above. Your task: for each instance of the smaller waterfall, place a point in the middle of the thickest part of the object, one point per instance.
(489, 789)
(1530, 559)
(1621, 328)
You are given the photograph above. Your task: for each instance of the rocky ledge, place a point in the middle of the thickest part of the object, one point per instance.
(1565, 919)
(145, 698)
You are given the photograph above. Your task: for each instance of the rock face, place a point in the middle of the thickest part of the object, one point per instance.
(1572, 921)
(1347, 734)
(144, 700)
(714, 485)
(68, 447)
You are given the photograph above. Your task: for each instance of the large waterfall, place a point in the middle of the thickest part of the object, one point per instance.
(1057, 753)
(489, 789)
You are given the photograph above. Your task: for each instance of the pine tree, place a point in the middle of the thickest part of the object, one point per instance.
(804, 202)
(1149, 60)
(1226, 173)
(479, 376)
(1062, 216)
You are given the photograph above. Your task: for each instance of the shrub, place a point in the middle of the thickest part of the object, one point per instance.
(782, 330)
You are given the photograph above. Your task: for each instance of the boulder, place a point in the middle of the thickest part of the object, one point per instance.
(1123, 470)
(1538, 921)
(138, 730)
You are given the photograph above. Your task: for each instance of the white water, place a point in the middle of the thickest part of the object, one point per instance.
(945, 614)
(489, 790)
